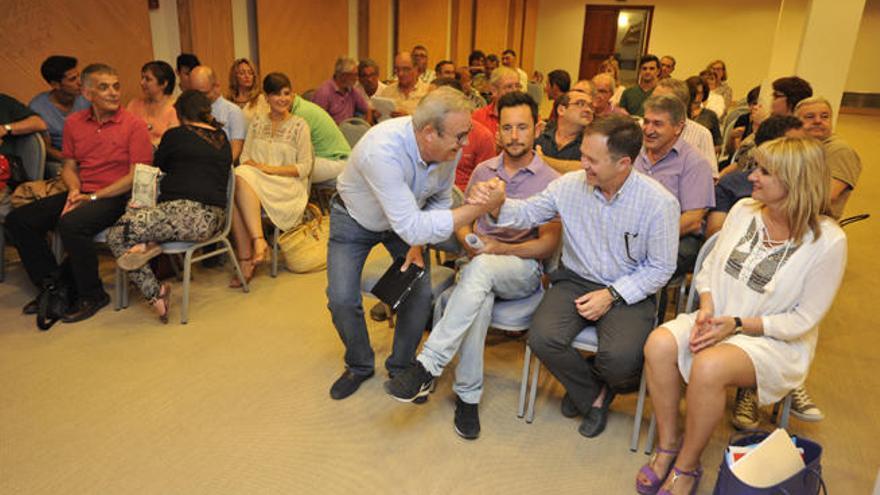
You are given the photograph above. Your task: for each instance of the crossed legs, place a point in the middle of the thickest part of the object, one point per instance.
(247, 228)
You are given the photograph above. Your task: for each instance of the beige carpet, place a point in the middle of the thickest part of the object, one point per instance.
(237, 400)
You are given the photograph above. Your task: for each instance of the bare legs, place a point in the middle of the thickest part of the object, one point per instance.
(247, 227)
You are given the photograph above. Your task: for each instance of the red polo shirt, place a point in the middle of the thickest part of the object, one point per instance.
(105, 151)
(480, 147)
(488, 117)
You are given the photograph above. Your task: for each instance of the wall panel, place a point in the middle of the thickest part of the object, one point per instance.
(530, 32)
(115, 32)
(206, 30)
(462, 31)
(424, 22)
(379, 36)
(302, 38)
(492, 19)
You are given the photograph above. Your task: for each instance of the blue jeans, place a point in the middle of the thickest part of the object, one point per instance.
(469, 313)
(347, 251)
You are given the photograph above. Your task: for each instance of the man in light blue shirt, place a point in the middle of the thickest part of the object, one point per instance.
(396, 190)
(202, 78)
(620, 236)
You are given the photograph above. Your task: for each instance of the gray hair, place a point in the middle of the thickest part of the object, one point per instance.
(811, 101)
(437, 104)
(670, 105)
(368, 62)
(678, 87)
(344, 64)
(604, 76)
(500, 73)
(93, 69)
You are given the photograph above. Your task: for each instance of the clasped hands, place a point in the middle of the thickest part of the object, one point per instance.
(488, 195)
(74, 198)
(709, 329)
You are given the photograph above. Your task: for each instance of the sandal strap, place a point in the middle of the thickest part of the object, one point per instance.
(694, 473)
(661, 450)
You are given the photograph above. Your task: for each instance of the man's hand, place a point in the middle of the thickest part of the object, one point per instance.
(593, 305)
(74, 199)
(492, 246)
(414, 255)
(489, 194)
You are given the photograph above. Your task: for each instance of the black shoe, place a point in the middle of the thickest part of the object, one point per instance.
(86, 307)
(30, 308)
(467, 419)
(378, 313)
(595, 420)
(410, 384)
(569, 409)
(347, 384)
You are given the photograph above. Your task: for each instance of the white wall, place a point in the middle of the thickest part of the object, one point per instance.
(864, 71)
(165, 32)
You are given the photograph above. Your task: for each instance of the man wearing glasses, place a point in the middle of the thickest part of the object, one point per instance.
(408, 89)
(396, 190)
(562, 139)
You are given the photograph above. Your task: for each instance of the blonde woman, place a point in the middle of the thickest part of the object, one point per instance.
(771, 277)
(723, 89)
(612, 67)
(244, 89)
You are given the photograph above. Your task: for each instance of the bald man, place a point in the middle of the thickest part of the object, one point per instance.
(202, 78)
(408, 89)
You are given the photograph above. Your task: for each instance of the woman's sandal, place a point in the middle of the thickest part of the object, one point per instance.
(696, 474)
(260, 255)
(248, 267)
(655, 482)
(165, 297)
(132, 260)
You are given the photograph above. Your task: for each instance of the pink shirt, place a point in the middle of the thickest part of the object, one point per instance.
(104, 152)
(340, 104)
(157, 125)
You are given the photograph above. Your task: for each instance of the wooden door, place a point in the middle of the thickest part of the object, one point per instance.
(600, 37)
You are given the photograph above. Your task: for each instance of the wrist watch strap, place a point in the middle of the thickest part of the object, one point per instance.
(737, 325)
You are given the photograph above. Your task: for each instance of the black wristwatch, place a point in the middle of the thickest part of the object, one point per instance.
(737, 325)
(614, 294)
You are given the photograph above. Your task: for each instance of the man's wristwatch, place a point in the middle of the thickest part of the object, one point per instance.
(737, 325)
(8, 128)
(615, 295)
(93, 197)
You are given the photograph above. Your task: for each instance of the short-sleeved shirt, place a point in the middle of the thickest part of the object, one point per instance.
(684, 172)
(232, 118)
(327, 140)
(633, 100)
(547, 142)
(526, 182)
(845, 166)
(480, 147)
(339, 103)
(157, 125)
(11, 111)
(105, 151)
(488, 117)
(404, 102)
(53, 116)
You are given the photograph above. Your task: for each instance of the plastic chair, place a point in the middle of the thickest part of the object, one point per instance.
(32, 151)
(353, 129)
(188, 249)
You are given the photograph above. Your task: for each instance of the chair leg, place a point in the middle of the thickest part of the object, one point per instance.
(524, 383)
(117, 304)
(640, 410)
(187, 271)
(652, 430)
(533, 393)
(244, 284)
(125, 289)
(274, 271)
(2, 254)
(786, 410)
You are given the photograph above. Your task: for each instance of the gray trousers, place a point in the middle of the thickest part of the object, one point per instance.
(622, 332)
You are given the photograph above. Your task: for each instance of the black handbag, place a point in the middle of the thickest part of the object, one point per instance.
(57, 295)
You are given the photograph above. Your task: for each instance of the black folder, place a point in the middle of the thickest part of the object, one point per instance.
(395, 285)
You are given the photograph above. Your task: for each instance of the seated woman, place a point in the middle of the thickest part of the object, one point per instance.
(771, 277)
(244, 89)
(156, 107)
(274, 173)
(196, 159)
(713, 101)
(703, 116)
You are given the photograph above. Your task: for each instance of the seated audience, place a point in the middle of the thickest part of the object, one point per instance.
(682, 170)
(612, 68)
(420, 62)
(769, 280)
(492, 63)
(722, 88)
(195, 159)
(558, 83)
(338, 95)
(503, 80)
(156, 107)
(408, 89)
(15, 120)
(368, 77)
(745, 124)
(667, 66)
(507, 267)
(274, 175)
(561, 140)
(186, 62)
(203, 78)
(633, 98)
(463, 76)
(508, 59)
(604, 88)
(617, 251)
(703, 116)
(244, 89)
(329, 145)
(714, 101)
(55, 105)
(787, 93)
(444, 68)
(101, 146)
(693, 133)
(477, 68)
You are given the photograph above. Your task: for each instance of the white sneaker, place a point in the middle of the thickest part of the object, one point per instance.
(745, 411)
(802, 406)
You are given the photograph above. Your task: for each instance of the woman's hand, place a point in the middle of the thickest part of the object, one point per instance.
(715, 331)
(259, 166)
(704, 316)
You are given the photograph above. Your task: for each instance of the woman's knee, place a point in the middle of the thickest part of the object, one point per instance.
(660, 346)
(709, 369)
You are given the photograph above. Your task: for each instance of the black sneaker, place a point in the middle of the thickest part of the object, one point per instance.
(467, 419)
(30, 308)
(410, 384)
(378, 312)
(596, 418)
(347, 384)
(569, 409)
(86, 307)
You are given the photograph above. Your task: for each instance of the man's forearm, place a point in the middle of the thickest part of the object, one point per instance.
(69, 175)
(539, 248)
(465, 215)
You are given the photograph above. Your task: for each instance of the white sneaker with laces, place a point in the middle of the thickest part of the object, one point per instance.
(802, 406)
(745, 411)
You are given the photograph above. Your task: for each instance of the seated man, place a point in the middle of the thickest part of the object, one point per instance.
(203, 78)
(338, 95)
(561, 141)
(693, 133)
(395, 190)
(603, 89)
(16, 120)
(682, 169)
(328, 143)
(633, 98)
(64, 98)
(101, 147)
(507, 266)
(444, 68)
(420, 61)
(508, 59)
(502, 81)
(186, 62)
(463, 76)
(408, 90)
(368, 77)
(667, 66)
(617, 251)
(558, 83)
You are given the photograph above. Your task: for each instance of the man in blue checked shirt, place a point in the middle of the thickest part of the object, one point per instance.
(620, 240)
(396, 190)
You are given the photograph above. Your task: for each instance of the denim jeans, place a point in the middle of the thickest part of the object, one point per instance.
(469, 313)
(347, 251)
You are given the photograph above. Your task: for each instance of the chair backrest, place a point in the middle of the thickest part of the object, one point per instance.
(353, 129)
(536, 91)
(698, 265)
(230, 203)
(32, 151)
(727, 126)
(309, 94)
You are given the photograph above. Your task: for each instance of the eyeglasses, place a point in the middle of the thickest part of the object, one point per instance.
(460, 138)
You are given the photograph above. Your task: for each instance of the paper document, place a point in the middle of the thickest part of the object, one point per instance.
(772, 461)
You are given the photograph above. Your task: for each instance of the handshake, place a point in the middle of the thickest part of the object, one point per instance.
(488, 195)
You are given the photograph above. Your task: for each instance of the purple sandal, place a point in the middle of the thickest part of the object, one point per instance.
(655, 481)
(697, 474)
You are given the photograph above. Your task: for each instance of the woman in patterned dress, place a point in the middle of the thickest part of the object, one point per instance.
(771, 277)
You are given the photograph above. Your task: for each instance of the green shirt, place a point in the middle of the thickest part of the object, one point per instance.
(327, 139)
(633, 100)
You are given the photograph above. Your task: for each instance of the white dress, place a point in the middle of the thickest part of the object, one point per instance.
(283, 198)
(790, 287)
